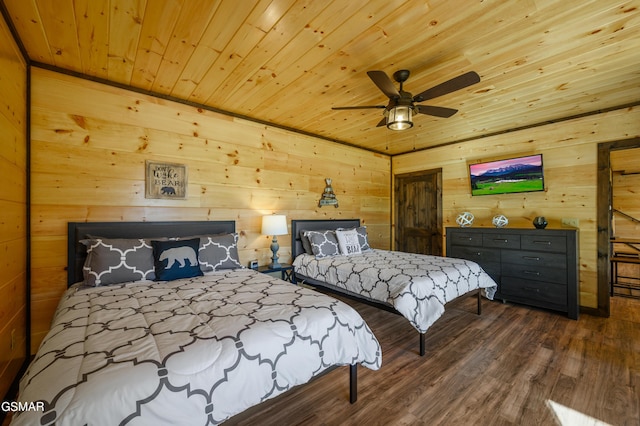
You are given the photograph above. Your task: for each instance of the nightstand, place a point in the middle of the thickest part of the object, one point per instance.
(285, 270)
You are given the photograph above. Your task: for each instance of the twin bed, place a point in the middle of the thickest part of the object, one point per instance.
(413, 285)
(162, 324)
(125, 348)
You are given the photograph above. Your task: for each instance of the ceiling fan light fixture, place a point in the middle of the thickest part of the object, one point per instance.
(399, 118)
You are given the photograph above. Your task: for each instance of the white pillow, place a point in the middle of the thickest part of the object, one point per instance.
(362, 235)
(348, 242)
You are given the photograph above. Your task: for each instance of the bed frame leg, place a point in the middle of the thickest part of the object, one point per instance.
(353, 383)
(422, 343)
(479, 301)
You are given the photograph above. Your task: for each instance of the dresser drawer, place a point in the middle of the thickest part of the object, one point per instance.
(535, 259)
(543, 243)
(477, 254)
(508, 241)
(463, 238)
(545, 293)
(553, 275)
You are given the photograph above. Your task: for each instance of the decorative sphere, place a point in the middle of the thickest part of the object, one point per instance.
(465, 219)
(500, 221)
(540, 222)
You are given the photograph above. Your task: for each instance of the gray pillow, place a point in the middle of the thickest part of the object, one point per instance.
(323, 243)
(363, 237)
(306, 244)
(219, 251)
(117, 260)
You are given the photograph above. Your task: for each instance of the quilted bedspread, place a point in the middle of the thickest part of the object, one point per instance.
(192, 351)
(416, 285)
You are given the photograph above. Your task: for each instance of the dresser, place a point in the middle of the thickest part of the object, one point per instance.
(536, 267)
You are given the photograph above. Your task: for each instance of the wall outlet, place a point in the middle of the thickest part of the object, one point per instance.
(570, 221)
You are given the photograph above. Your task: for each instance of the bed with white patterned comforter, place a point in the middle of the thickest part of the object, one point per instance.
(193, 351)
(417, 286)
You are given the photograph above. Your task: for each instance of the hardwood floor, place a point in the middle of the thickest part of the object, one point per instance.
(508, 366)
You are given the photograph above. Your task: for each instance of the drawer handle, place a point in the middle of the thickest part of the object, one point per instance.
(531, 258)
(501, 240)
(465, 238)
(533, 289)
(536, 273)
(546, 243)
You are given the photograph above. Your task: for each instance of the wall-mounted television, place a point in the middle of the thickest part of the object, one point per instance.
(519, 174)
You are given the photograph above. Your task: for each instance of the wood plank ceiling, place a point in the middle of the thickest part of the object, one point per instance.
(288, 62)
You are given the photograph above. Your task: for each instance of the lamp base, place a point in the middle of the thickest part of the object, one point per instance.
(274, 258)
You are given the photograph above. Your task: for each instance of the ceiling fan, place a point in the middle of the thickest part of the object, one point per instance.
(402, 105)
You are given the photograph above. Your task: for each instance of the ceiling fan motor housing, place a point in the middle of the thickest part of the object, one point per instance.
(405, 99)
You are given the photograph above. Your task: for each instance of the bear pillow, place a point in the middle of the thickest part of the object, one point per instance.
(176, 259)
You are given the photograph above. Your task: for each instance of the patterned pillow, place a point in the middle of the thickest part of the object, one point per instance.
(323, 243)
(117, 260)
(363, 237)
(219, 252)
(176, 259)
(348, 241)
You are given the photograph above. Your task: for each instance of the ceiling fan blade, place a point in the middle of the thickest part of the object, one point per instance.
(449, 86)
(382, 122)
(384, 83)
(360, 107)
(436, 111)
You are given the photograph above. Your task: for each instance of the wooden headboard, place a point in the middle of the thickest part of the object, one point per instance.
(77, 252)
(315, 225)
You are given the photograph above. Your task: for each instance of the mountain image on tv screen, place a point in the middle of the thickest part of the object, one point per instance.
(522, 174)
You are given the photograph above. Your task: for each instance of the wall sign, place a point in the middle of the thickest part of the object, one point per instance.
(166, 180)
(328, 196)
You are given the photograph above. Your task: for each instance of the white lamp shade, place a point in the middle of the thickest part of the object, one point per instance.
(275, 224)
(399, 118)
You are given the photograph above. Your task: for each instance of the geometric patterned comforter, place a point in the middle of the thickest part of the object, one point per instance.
(193, 351)
(416, 285)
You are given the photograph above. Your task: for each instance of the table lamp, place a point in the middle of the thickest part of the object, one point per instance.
(275, 224)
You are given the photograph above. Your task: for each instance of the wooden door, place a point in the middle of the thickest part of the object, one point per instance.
(418, 207)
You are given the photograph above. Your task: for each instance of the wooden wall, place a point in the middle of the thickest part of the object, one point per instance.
(569, 149)
(13, 208)
(89, 146)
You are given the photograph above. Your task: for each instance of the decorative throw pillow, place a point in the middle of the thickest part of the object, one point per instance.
(348, 242)
(176, 259)
(323, 243)
(117, 260)
(219, 252)
(363, 238)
